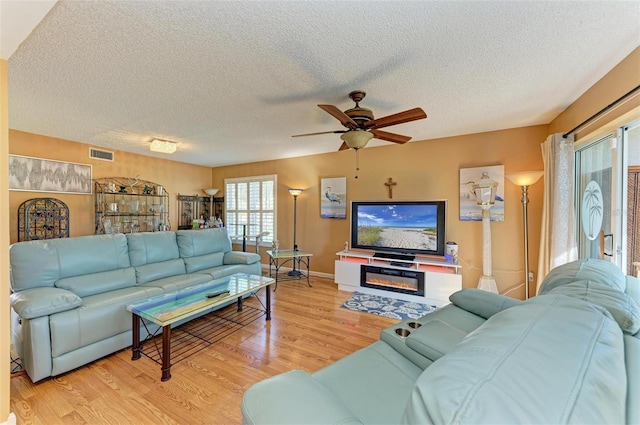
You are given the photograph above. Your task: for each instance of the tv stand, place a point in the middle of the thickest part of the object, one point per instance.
(441, 278)
(400, 264)
(394, 256)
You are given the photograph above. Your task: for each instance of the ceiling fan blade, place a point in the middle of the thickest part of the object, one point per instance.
(321, 132)
(390, 137)
(399, 118)
(343, 146)
(339, 115)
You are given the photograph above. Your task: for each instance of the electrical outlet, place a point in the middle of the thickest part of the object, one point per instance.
(530, 276)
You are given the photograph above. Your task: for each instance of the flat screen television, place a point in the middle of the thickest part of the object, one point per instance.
(397, 228)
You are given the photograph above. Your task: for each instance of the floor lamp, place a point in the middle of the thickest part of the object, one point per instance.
(525, 179)
(295, 193)
(485, 193)
(211, 193)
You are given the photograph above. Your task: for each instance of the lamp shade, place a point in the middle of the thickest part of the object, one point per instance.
(356, 139)
(525, 178)
(295, 192)
(211, 192)
(163, 146)
(485, 190)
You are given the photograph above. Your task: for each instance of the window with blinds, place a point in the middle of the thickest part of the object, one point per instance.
(250, 204)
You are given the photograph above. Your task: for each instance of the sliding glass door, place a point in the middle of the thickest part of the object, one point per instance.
(606, 197)
(595, 196)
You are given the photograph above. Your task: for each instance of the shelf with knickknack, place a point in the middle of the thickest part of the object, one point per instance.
(198, 212)
(130, 205)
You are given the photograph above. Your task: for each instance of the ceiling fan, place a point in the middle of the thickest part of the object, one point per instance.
(362, 126)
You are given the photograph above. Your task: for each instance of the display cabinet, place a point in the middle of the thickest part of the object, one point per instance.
(129, 205)
(195, 207)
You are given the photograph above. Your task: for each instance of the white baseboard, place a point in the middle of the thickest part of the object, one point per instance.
(11, 420)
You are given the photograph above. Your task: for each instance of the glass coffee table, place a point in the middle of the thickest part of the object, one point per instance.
(165, 310)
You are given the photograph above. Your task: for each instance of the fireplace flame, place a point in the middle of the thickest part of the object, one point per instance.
(392, 283)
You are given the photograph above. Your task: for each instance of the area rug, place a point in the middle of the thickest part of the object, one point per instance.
(387, 307)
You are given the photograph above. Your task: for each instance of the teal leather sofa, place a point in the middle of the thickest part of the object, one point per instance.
(569, 355)
(69, 296)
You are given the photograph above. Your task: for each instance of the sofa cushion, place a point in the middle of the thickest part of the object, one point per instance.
(621, 306)
(23, 255)
(97, 283)
(633, 288)
(193, 243)
(552, 359)
(177, 282)
(36, 302)
(59, 258)
(201, 262)
(150, 272)
(482, 303)
(632, 355)
(450, 314)
(585, 269)
(99, 317)
(293, 398)
(92, 254)
(152, 247)
(238, 257)
(374, 382)
(224, 271)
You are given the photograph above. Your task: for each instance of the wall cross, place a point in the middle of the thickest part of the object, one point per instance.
(390, 183)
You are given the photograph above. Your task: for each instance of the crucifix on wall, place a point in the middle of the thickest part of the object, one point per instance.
(390, 183)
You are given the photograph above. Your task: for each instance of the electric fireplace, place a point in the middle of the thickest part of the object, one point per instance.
(395, 280)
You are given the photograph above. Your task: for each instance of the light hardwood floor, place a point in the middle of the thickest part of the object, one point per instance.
(308, 331)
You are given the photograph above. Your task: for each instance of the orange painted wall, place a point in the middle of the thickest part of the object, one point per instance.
(176, 177)
(424, 170)
(620, 80)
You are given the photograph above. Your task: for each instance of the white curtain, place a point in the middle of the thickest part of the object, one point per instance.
(557, 236)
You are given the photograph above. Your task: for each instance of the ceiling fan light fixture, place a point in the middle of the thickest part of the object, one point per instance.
(163, 146)
(357, 139)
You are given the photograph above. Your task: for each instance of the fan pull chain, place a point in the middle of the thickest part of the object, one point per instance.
(357, 162)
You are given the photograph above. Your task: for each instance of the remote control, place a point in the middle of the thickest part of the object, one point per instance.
(217, 293)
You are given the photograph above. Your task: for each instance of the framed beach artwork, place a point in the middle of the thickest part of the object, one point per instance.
(333, 197)
(469, 208)
(45, 175)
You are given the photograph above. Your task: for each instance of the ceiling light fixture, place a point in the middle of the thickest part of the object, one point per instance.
(163, 146)
(356, 139)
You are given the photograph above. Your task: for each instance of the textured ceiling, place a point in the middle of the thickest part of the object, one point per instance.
(232, 81)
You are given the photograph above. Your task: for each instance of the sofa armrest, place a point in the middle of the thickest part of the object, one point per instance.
(293, 398)
(239, 257)
(37, 302)
(482, 303)
(434, 339)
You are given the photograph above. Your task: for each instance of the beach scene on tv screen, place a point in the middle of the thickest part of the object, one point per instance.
(398, 226)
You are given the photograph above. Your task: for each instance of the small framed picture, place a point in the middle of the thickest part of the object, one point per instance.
(333, 197)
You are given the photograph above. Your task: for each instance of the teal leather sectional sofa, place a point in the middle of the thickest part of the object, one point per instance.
(569, 355)
(69, 296)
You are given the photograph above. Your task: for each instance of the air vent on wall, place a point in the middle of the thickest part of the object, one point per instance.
(100, 154)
